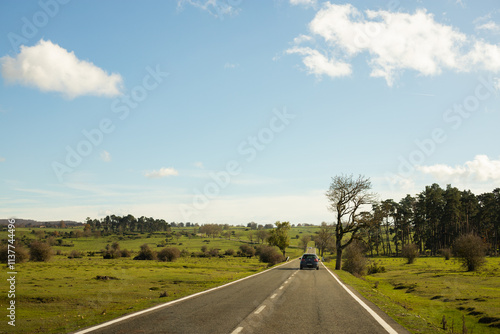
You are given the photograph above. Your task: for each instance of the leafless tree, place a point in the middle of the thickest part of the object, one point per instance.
(347, 197)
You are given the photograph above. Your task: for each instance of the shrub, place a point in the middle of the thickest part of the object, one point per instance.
(125, 253)
(355, 261)
(21, 253)
(446, 253)
(213, 252)
(229, 252)
(185, 253)
(471, 251)
(204, 248)
(40, 251)
(75, 254)
(169, 254)
(410, 252)
(145, 253)
(247, 250)
(375, 269)
(271, 255)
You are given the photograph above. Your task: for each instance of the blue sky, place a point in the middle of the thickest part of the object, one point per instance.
(234, 111)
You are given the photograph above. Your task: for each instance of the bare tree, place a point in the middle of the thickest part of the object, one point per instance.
(324, 240)
(347, 196)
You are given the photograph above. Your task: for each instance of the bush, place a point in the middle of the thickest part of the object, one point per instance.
(40, 251)
(271, 255)
(169, 254)
(125, 253)
(145, 253)
(355, 261)
(21, 253)
(185, 253)
(375, 269)
(410, 252)
(213, 252)
(229, 252)
(446, 253)
(247, 250)
(471, 251)
(75, 254)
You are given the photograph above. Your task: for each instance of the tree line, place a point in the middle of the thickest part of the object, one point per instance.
(433, 220)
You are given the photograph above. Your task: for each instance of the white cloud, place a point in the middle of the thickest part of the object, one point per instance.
(162, 172)
(199, 164)
(2, 159)
(394, 42)
(480, 169)
(216, 8)
(105, 156)
(231, 65)
(489, 26)
(319, 64)
(307, 3)
(51, 68)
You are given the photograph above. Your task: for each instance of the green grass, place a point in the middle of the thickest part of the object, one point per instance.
(420, 294)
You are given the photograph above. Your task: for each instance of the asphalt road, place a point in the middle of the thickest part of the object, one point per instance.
(282, 300)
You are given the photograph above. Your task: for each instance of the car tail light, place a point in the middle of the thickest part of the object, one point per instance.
(315, 260)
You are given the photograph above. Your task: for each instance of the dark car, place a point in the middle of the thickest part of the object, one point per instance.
(309, 261)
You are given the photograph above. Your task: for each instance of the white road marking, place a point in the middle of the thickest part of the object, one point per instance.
(237, 330)
(281, 287)
(274, 296)
(260, 309)
(381, 321)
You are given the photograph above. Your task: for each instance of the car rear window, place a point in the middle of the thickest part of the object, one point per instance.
(309, 256)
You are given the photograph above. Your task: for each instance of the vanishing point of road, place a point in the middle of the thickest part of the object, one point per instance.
(280, 300)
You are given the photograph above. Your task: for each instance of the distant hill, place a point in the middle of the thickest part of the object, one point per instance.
(35, 223)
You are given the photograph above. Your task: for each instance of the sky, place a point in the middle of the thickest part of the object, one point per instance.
(232, 111)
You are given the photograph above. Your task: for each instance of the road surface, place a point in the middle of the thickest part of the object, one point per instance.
(281, 300)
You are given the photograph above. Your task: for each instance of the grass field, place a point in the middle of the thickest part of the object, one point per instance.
(65, 294)
(420, 294)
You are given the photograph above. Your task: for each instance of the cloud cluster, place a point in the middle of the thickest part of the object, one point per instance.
(393, 42)
(216, 8)
(51, 68)
(481, 169)
(162, 172)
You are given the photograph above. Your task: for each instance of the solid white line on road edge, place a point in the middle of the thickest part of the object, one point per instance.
(260, 309)
(381, 321)
(132, 315)
(237, 330)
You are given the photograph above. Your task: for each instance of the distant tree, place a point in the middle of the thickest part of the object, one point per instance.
(471, 251)
(410, 252)
(347, 197)
(262, 235)
(279, 236)
(325, 238)
(304, 241)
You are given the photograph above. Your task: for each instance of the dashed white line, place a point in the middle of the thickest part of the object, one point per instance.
(260, 309)
(273, 296)
(237, 330)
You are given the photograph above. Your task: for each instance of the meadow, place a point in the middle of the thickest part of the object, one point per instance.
(63, 294)
(419, 295)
